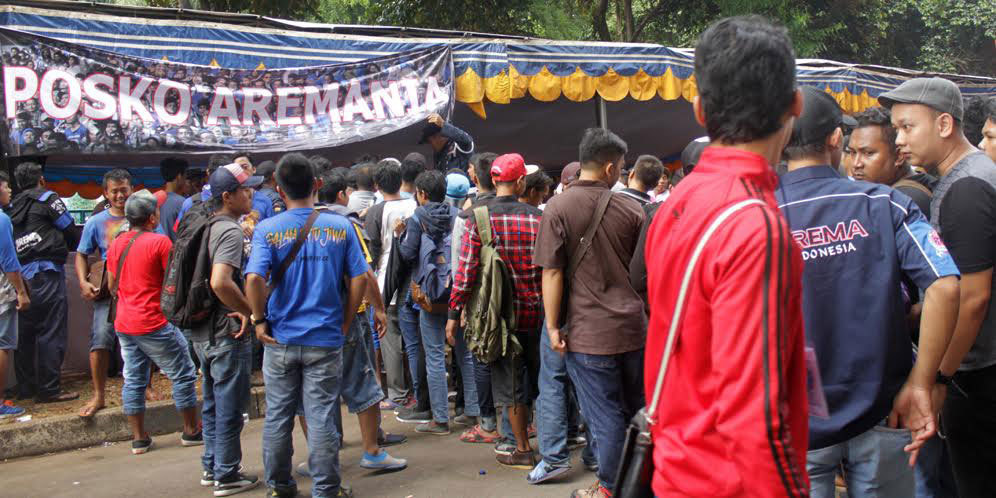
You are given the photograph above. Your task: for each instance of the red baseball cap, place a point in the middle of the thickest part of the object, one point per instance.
(510, 167)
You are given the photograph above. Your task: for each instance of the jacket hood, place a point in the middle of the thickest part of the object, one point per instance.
(21, 204)
(436, 218)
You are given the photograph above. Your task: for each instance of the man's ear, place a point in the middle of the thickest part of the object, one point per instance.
(945, 125)
(699, 110)
(795, 110)
(836, 139)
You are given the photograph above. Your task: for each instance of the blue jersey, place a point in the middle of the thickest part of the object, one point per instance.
(857, 241)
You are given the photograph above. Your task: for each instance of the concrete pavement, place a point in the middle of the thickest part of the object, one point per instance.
(439, 466)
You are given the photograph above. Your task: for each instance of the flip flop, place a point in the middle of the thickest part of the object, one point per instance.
(474, 435)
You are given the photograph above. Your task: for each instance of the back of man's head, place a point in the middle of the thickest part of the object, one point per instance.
(295, 176)
(28, 175)
(387, 176)
(333, 182)
(433, 183)
(813, 131)
(975, 118)
(745, 75)
(171, 167)
(411, 166)
(599, 147)
(482, 170)
(362, 176)
(218, 160)
(320, 163)
(647, 171)
(139, 208)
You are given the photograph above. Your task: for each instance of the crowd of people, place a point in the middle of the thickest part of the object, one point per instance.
(806, 300)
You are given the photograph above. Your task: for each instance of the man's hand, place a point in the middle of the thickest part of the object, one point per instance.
(88, 291)
(558, 341)
(243, 328)
(399, 227)
(380, 322)
(913, 410)
(263, 334)
(451, 328)
(23, 301)
(436, 119)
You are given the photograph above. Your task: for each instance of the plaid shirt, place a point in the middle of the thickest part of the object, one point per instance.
(514, 226)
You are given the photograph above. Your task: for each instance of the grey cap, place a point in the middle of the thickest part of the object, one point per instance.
(937, 93)
(140, 206)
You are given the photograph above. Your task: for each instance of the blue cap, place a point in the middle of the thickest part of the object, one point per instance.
(457, 186)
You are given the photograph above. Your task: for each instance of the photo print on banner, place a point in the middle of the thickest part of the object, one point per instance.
(65, 98)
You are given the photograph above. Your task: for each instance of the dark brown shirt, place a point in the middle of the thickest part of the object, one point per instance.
(604, 312)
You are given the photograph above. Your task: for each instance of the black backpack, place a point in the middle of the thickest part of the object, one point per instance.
(186, 298)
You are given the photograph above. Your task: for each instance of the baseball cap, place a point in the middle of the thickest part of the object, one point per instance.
(693, 151)
(457, 186)
(510, 167)
(570, 172)
(429, 130)
(229, 177)
(820, 116)
(266, 169)
(141, 205)
(937, 93)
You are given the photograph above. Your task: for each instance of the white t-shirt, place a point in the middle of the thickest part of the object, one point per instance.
(393, 211)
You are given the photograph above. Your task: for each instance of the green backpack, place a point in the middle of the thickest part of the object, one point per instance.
(490, 311)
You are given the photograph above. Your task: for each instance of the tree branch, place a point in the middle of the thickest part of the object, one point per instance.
(658, 9)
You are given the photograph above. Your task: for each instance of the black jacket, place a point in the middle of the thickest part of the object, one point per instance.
(43, 228)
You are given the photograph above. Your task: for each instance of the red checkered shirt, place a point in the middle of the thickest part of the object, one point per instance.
(514, 226)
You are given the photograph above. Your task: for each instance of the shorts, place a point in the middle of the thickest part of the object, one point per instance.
(359, 388)
(514, 378)
(8, 326)
(101, 331)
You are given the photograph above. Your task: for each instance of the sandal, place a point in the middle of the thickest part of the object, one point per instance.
(474, 435)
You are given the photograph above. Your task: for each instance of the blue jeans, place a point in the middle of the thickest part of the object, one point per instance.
(874, 465)
(408, 320)
(167, 348)
(610, 392)
(434, 341)
(556, 408)
(359, 388)
(932, 473)
(311, 374)
(101, 331)
(226, 367)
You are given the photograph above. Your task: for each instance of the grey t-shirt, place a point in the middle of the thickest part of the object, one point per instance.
(963, 211)
(224, 247)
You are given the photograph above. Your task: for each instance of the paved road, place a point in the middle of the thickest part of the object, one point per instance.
(438, 467)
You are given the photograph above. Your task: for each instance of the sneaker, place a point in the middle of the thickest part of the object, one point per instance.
(465, 420)
(409, 404)
(410, 416)
(207, 477)
(576, 442)
(433, 428)
(595, 491)
(382, 461)
(238, 484)
(343, 492)
(518, 459)
(544, 472)
(282, 493)
(591, 466)
(140, 446)
(192, 439)
(7, 409)
(386, 439)
(504, 446)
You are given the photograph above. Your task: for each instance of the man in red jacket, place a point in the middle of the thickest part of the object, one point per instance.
(732, 417)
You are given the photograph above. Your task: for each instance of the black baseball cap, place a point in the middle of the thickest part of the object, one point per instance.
(693, 151)
(230, 177)
(429, 130)
(820, 116)
(266, 169)
(937, 93)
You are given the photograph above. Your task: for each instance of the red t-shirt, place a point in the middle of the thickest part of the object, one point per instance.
(733, 415)
(138, 309)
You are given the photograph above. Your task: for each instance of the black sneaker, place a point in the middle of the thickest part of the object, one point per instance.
(237, 484)
(207, 477)
(192, 439)
(282, 492)
(140, 446)
(344, 492)
(410, 416)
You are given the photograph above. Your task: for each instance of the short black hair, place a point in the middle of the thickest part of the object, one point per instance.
(295, 175)
(745, 75)
(882, 118)
(482, 168)
(365, 158)
(648, 170)
(218, 160)
(600, 146)
(387, 176)
(991, 109)
(245, 154)
(975, 119)
(320, 163)
(171, 167)
(361, 176)
(28, 174)
(4, 178)
(793, 151)
(333, 182)
(117, 175)
(536, 182)
(433, 183)
(412, 166)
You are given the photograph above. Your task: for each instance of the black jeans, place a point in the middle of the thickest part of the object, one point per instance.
(42, 335)
(969, 423)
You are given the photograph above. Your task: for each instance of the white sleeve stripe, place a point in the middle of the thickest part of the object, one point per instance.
(855, 194)
(918, 246)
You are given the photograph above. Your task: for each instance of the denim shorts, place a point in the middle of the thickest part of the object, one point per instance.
(513, 377)
(101, 331)
(359, 388)
(8, 326)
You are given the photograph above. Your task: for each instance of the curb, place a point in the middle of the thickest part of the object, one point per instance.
(70, 432)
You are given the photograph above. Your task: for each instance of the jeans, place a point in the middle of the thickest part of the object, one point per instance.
(311, 374)
(226, 367)
(101, 331)
(556, 408)
(359, 388)
(875, 465)
(408, 318)
(167, 348)
(434, 340)
(969, 422)
(393, 353)
(610, 392)
(932, 473)
(42, 335)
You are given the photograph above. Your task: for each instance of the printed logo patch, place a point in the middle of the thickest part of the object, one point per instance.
(935, 240)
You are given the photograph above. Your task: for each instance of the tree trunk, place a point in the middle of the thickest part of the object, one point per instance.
(599, 21)
(627, 8)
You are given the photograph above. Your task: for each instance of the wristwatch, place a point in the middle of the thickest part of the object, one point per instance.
(943, 379)
(258, 321)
